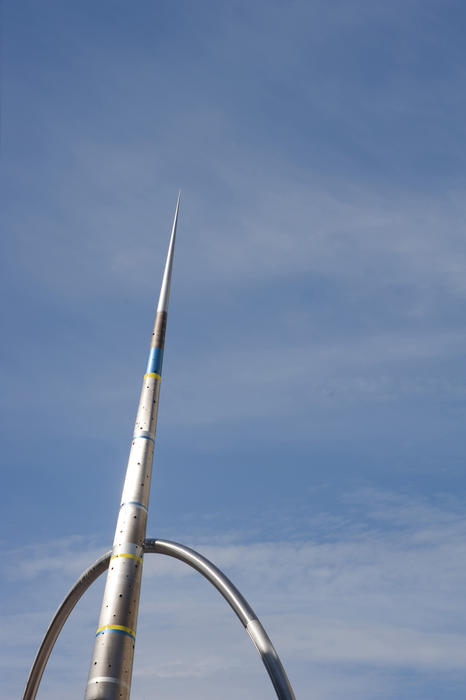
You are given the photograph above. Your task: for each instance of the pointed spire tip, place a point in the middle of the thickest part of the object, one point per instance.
(167, 273)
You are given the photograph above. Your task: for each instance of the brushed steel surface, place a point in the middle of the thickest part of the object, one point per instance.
(112, 658)
(167, 273)
(271, 660)
(74, 594)
(231, 594)
(160, 325)
(205, 567)
(239, 605)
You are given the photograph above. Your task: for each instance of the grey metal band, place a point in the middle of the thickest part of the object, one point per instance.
(160, 326)
(109, 679)
(205, 567)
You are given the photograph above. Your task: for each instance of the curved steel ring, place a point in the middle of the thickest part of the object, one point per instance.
(223, 584)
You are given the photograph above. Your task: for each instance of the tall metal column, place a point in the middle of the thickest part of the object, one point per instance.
(112, 659)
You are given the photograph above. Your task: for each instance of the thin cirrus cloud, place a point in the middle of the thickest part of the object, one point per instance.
(378, 591)
(363, 235)
(316, 333)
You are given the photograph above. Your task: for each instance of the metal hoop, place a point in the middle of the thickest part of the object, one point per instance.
(205, 567)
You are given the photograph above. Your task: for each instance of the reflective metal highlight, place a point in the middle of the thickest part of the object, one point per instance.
(86, 579)
(239, 605)
(112, 659)
(205, 567)
(167, 273)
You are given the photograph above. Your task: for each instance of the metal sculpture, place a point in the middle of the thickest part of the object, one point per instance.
(112, 659)
(205, 567)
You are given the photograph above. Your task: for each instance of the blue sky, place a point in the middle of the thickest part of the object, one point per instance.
(311, 428)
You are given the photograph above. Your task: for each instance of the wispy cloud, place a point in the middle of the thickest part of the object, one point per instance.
(316, 330)
(381, 592)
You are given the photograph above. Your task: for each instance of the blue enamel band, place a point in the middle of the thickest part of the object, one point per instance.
(116, 629)
(134, 503)
(144, 437)
(154, 363)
